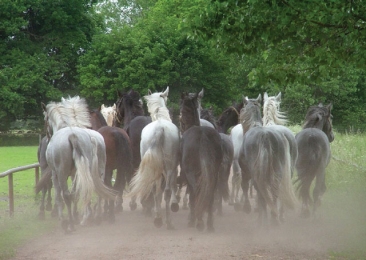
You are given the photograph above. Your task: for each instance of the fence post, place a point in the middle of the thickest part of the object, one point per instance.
(11, 195)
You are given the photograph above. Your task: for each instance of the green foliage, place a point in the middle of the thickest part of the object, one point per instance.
(153, 54)
(40, 43)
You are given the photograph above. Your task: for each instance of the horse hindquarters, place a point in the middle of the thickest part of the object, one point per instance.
(201, 159)
(313, 158)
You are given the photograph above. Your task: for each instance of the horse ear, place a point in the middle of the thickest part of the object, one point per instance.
(330, 107)
(245, 100)
(265, 96)
(259, 98)
(278, 97)
(166, 92)
(119, 93)
(43, 106)
(102, 107)
(201, 93)
(149, 92)
(114, 106)
(320, 104)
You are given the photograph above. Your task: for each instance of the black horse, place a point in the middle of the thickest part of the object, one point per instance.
(314, 154)
(130, 111)
(201, 157)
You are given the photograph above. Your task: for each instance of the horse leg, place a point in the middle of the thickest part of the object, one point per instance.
(41, 214)
(158, 195)
(319, 190)
(109, 203)
(49, 198)
(245, 179)
(185, 199)
(58, 197)
(167, 197)
(68, 198)
(119, 186)
(172, 181)
(133, 204)
(210, 227)
(192, 214)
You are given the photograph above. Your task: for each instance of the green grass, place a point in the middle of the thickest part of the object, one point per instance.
(24, 225)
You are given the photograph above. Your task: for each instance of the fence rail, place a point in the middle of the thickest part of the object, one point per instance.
(9, 173)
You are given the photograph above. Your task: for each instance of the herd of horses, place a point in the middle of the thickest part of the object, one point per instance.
(154, 158)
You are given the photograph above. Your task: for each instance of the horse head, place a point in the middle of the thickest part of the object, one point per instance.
(271, 111)
(189, 107)
(229, 117)
(250, 114)
(320, 117)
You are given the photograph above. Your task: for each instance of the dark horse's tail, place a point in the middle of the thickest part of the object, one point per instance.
(45, 179)
(207, 182)
(124, 155)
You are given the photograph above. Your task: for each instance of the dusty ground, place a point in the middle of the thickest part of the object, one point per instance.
(134, 236)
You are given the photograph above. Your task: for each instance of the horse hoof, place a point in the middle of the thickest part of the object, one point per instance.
(133, 206)
(41, 215)
(48, 207)
(158, 222)
(119, 208)
(65, 225)
(200, 225)
(237, 207)
(174, 207)
(247, 208)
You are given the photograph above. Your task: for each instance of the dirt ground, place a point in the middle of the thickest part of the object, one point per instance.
(236, 236)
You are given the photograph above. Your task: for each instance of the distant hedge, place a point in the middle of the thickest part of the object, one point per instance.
(26, 139)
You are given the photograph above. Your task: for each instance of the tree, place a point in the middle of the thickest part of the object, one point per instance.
(40, 42)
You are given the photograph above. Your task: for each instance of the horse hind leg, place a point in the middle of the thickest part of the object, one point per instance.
(158, 195)
(245, 187)
(318, 191)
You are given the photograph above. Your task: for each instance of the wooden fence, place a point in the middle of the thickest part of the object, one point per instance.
(9, 173)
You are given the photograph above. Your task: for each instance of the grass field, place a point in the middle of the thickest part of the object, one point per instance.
(345, 197)
(24, 225)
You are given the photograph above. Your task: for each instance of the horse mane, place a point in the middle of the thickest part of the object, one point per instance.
(271, 113)
(107, 112)
(69, 112)
(250, 115)
(315, 116)
(161, 113)
(99, 118)
(188, 111)
(155, 101)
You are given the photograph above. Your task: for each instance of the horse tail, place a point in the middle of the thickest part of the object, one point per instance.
(125, 155)
(45, 179)
(151, 168)
(100, 188)
(83, 182)
(264, 174)
(223, 185)
(286, 194)
(207, 182)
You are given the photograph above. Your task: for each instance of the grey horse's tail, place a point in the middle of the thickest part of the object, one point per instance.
(151, 168)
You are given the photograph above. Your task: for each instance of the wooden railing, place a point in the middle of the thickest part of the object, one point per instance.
(9, 173)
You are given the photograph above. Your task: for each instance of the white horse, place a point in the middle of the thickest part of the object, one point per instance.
(109, 113)
(276, 119)
(160, 142)
(73, 152)
(237, 134)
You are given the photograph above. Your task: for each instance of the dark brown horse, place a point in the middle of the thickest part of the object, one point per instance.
(314, 154)
(229, 117)
(130, 111)
(119, 157)
(201, 157)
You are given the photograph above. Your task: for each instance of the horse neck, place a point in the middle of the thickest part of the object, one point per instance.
(250, 119)
(272, 116)
(188, 117)
(131, 113)
(161, 113)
